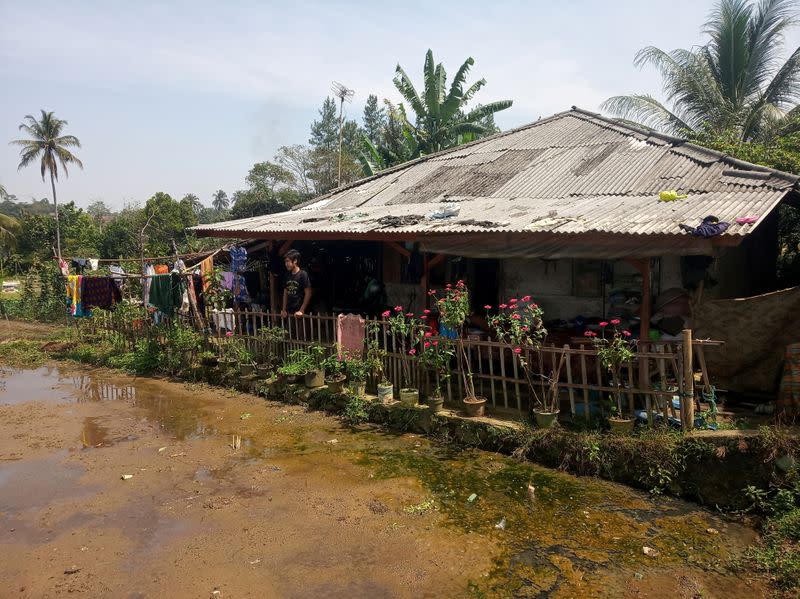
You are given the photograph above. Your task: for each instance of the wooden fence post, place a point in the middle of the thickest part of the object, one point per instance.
(687, 398)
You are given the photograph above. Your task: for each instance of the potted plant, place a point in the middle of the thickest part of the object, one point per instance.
(436, 357)
(522, 327)
(335, 376)
(209, 359)
(375, 357)
(357, 372)
(406, 331)
(453, 304)
(613, 351)
(237, 350)
(270, 338)
(315, 375)
(297, 363)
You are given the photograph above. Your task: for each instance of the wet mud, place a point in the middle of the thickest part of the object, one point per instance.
(115, 486)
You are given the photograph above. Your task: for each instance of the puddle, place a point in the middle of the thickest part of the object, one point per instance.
(34, 483)
(51, 384)
(94, 435)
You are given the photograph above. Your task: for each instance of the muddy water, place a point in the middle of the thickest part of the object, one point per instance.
(232, 494)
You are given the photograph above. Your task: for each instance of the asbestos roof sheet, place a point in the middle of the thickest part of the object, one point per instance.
(575, 172)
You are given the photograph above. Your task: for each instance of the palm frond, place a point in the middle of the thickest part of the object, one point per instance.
(765, 39)
(472, 90)
(67, 141)
(646, 110)
(785, 86)
(467, 128)
(429, 80)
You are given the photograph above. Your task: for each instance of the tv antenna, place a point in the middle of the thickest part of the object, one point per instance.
(343, 93)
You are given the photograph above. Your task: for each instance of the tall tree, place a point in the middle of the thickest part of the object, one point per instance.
(297, 160)
(324, 142)
(735, 82)
(193, 202)
(442, 119)
(374, 120)
(98, 211)
(220, 200)
(51, 147)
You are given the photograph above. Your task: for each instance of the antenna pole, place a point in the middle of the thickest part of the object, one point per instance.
(341, 124)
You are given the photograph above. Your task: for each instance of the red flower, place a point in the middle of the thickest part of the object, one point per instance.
(515, 316)
(526, 298)
(409, 314)
(534, 306)
(589, 334)
(487, 307)
(448, 286)
(427, 344)
(615, 321)
(503, 306)
(428, 334)
(398, 308)
(426, 311)
(524, 328)
(412, 352)
(435, 343)
(513, 300)
(517, 350)
(604, 324)
(626, 333)
(386, 314)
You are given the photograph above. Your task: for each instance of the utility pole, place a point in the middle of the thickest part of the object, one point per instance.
(343, 93)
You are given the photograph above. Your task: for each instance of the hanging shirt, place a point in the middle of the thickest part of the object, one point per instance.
(147, 282)
(74, 304)
(238, 258)
(206, 270)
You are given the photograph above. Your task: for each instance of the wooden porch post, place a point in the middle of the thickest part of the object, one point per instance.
(643, 266)
(687, 399)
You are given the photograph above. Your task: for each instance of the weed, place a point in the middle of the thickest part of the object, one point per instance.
(356, 410)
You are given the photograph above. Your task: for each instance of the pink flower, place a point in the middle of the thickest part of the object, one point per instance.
(448, 286)
(229, 334)
(515, 316)
(387, 314)
(503, 306)
(589, 334)
(487, 307)
(435, 343)
(524, 328)
(426, 311)
(604, 324)
(398, 308)
(409, 315)
(615, 321)
(513, 300)
(626, 333)
(428, 334)
(534, 306)
(517, 350)
(427, 344)
(412, 352)
(526, 298)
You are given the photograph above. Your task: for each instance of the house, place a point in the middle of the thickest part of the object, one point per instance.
(567, 209)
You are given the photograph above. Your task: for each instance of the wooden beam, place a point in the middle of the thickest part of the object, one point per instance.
(397, 248)
(285, 247)
(423, 281)
(643, 266)
(687, 400)
(436, 260)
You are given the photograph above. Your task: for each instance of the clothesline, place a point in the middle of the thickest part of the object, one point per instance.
(146, 259)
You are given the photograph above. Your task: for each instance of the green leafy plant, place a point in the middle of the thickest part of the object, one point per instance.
(297, 363)
(333, 366)
(216, 295)
(375, 356)
(406, 331)
(613, 351)
(357, 369)
(436, 356)
(454, 309)
(236, 349)
(355, 411)
(271, 339)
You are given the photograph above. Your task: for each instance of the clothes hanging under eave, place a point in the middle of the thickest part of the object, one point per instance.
(206, 270)
(238, 258)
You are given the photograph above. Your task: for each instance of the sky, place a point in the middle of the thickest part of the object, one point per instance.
(184, 97)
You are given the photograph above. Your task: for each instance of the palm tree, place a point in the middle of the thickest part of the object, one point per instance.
(194, 202)
(220, 201)
(48, 144)
(735, 82)
(442, 120)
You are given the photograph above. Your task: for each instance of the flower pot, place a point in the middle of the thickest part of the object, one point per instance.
(336, 383)
(247, 369)
(474, 406)
(314, 379)
(621, 426)
(264, 371)
(358, 388)
(435, 404)
(293, 378)
(385, 393)
(271, 387)
(209, 362)
(546, 419)
(409, 397)
(226, 363)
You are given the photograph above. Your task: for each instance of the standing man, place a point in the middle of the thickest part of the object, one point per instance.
(297, 292)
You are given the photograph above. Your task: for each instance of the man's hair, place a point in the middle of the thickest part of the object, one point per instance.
(292, 255)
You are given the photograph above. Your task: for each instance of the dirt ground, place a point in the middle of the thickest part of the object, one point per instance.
(115, 486)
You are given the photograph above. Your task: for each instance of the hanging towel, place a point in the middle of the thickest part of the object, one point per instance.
(116, 271)
(350, 331)
(162, 269)
(227, 280)
(206, 269)
(238, 258)
(64, 267)
(74, 305)
(166, 292)
(147, 282)
(93, 263)
(99, 292)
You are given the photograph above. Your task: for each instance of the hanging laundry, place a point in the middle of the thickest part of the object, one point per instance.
(199, 294)
(80, 264)
(63, 267)
(179, 266)
(115, 271)
(93, 263)
(147, 282)
(99, 292)
(710, 227)
(227, 280)
(240, 289)
(166, 292)
(161, 269)
(350, 330)
(74, 304)
(238, 258)
(206, 270)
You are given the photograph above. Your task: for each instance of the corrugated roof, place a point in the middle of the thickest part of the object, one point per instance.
(575, 172)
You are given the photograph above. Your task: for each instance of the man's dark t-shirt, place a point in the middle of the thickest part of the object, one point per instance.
(296, 284)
